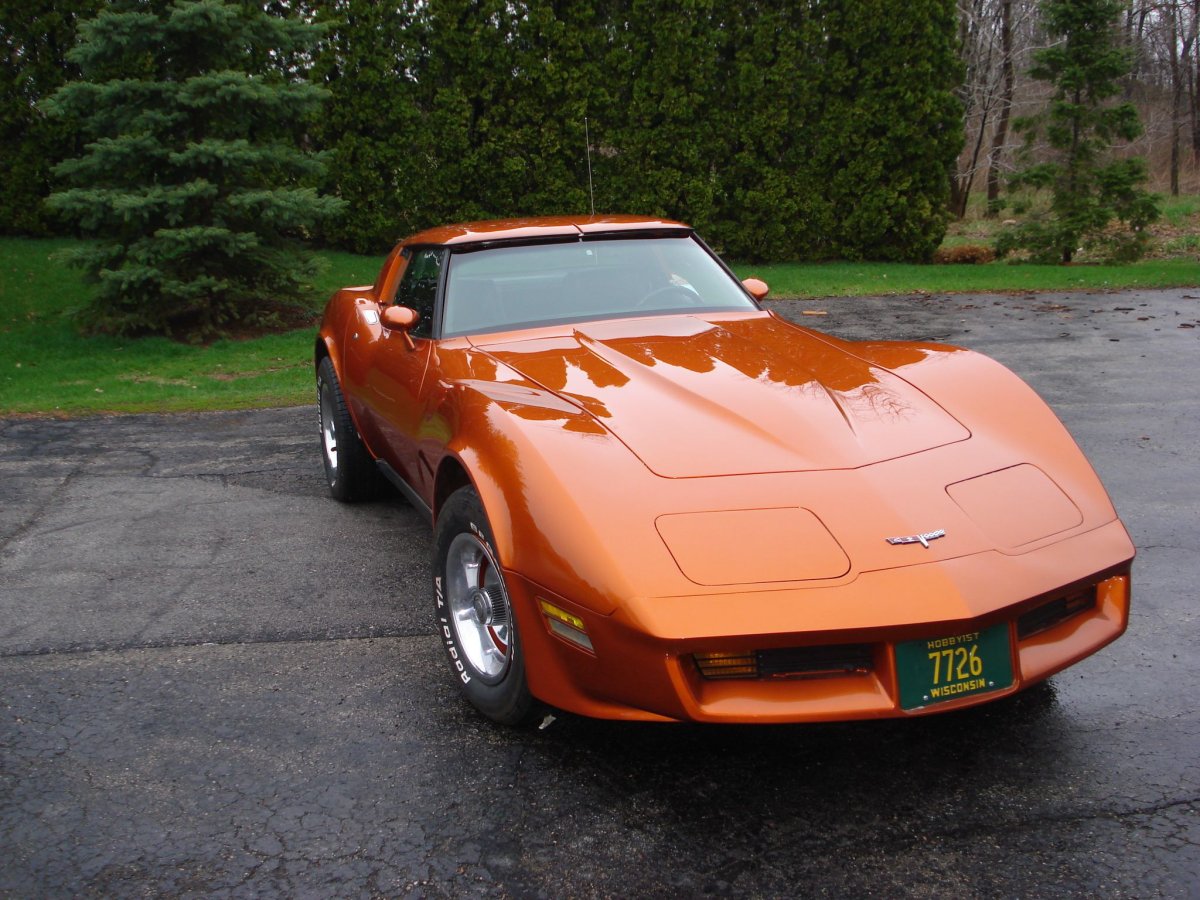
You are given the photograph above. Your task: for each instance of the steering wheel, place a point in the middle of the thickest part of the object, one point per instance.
(670, 295)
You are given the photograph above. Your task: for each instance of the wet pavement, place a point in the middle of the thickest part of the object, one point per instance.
(215, 680)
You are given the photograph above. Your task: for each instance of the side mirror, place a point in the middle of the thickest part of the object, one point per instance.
(403, 320)
(758, 288)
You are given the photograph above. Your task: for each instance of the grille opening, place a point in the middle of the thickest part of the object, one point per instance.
(1054, 612)
(788, 662)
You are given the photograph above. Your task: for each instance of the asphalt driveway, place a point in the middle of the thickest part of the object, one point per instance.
(214, 679)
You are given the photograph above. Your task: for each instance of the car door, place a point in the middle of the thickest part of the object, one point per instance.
(393, 380)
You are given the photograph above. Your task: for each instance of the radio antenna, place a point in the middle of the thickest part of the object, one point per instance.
(587, 139)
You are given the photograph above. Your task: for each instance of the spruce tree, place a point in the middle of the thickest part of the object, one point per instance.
(1088, 188)
(194, 186)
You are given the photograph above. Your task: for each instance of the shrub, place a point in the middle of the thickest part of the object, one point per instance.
(967, 254)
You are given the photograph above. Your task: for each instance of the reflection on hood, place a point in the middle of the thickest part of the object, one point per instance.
(695, 398)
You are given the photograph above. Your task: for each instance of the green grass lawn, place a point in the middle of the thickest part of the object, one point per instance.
(48, 367)
(843, 279)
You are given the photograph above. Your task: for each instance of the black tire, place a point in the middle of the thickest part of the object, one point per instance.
(475, 621)
(350, 471)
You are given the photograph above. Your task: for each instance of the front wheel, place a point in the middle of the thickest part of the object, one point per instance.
(474, 615)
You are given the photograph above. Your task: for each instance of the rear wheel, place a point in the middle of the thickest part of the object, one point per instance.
(349, 470)
(474, 615)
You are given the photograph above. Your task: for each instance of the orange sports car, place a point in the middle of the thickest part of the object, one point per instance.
(653, 499)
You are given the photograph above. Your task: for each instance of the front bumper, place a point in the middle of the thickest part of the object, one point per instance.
(641, 662)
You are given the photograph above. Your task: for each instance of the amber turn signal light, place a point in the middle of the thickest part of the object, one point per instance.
(727, 665)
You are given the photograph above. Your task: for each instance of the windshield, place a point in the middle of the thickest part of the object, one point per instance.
(507, 287)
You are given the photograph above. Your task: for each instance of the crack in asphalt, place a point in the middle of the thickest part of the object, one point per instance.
(1037, 823)
(1068, 818)
(26, 526)
(174, 645)
(163, 476)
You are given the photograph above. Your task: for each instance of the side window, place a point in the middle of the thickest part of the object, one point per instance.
(418, 287)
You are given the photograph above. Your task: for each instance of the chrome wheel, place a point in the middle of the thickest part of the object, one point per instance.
(329, 436)
(350, 468)
(479, 609)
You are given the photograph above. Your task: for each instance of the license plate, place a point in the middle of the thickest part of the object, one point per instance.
(935, 670)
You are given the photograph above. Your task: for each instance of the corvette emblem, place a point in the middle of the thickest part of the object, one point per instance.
(922, 539)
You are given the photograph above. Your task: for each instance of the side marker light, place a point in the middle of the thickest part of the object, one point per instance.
(567, 626)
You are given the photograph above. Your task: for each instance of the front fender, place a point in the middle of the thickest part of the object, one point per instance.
(529, 455)
(1005, 413)
(1005, 416)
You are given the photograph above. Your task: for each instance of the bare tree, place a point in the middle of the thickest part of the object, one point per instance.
(1193, 79)
(977, 47)
(1007, 85)
(1165, 45)
(997, 38)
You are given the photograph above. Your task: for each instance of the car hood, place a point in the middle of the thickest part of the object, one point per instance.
(696, 397)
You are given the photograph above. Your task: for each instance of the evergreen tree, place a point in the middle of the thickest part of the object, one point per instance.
(1088, 188)
(504, 90)
(35, 36)
(889, 128)
(558, 48)
(780, 129)
(370, 126)
(194, 184)
(665, 128)
(476, 98)
(771, 198)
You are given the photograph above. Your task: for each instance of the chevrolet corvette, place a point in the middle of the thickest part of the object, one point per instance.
(654, 499)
